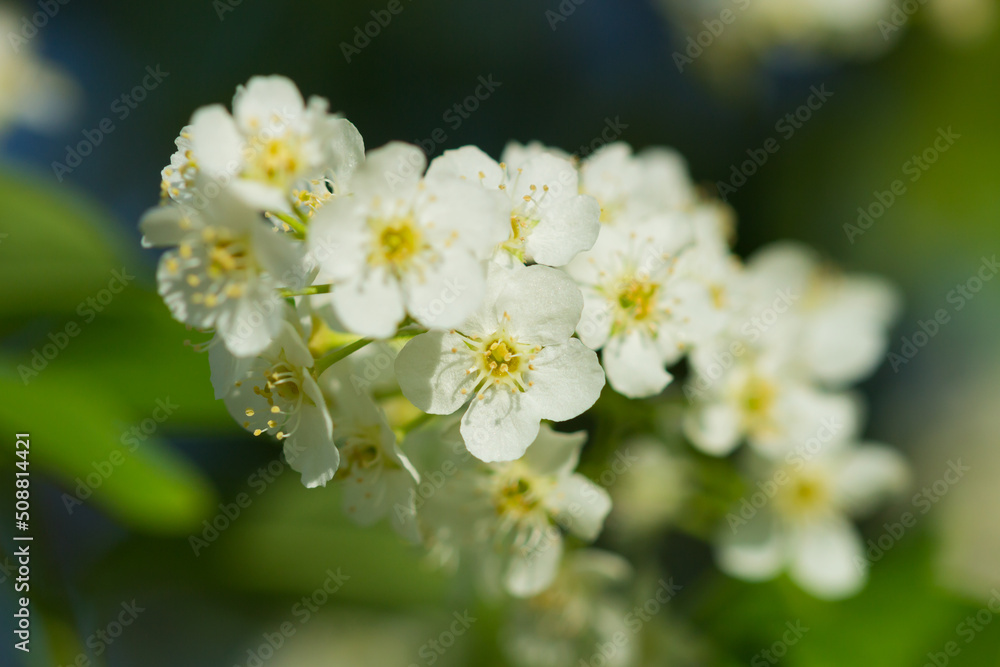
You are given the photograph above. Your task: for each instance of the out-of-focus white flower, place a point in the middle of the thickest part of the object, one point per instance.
(530, 497)
(514, 359)
(742, 393)
(550, 222)
(223, 269)
(798, 336)
(404, 245)
(32, 92)
(273, 145)
(837, 331)
(805, 525)
(377, 479)
(636, 307)
(276, 393)
(631, 188)
(584, 608)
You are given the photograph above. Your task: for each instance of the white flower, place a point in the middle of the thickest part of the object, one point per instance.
(377, 479)
(530, 497)
(549, 221)
(805, 525)
(742, 393)
(276, 393)
(224, 271)
(839, 331)
(631, 188)
(514, 359)
(179, 177)
(33, 93)
(584, 610)
(402, 245)
(636, 307)
(272, 145)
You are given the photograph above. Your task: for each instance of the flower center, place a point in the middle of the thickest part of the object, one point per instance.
(280, 385)
(516, 496)
(276, 161)
(806, 495)
(397, 242)
(638, 299)
(758, 397)
(218, 266)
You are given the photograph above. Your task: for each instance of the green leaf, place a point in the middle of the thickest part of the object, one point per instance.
(79, 431)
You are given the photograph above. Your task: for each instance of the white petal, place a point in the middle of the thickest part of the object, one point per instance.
(393, 169)
(532, 571)
(467, 162)
(161, 226)
(264, 97)
(216, 143)
(867, 475)
(241, 336)
(478, 217)
(580, 505)
(828, 559)
(565, 230)
(554, 453)
(567, 380)
(544, 305)
(226, 368)
(445, 294)
(346, 150)
(260, 196)
(310, 450)
(634, 365)
(369, 305)
(501, 426)
(714, 428)
(595, 322)
(431, 376)
(755, 552)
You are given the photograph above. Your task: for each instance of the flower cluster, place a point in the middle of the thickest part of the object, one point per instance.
(410, 330)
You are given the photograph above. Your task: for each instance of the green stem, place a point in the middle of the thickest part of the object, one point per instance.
(315, 289)
(340, 353)
(294, 223)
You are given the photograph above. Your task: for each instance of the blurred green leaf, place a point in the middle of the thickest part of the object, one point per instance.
(75, 427)
(57, 248)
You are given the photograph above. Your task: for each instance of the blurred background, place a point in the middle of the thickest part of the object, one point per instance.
(93, 96)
